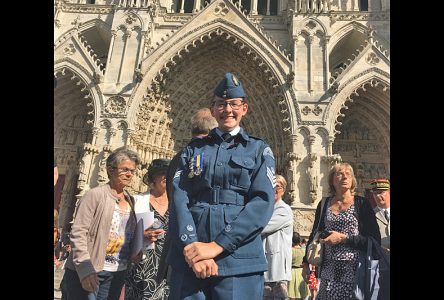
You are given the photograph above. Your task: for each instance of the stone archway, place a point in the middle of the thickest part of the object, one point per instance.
(72, 128)
(363, 139)
(162, 125)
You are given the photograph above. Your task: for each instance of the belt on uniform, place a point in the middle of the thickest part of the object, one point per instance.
(219, 196)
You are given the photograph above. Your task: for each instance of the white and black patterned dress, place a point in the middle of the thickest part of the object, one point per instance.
(140, 283)
(340, 261)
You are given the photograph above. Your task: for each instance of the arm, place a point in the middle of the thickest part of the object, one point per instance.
(367, 227)
(280, 219)
(79, 235)
(259, 207)
(181, 219)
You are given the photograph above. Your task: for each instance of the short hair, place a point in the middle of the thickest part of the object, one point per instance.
(121, 154)
(282, 181)
(336, 168)
(202, 122)
(296, 239)
(157, 167)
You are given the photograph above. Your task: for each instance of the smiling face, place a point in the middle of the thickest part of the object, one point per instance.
(228, 112)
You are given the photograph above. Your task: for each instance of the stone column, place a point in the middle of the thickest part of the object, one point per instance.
(196, 6)
(126, 36)
(327, 63)
(111, 45)
(253, 7)
(268, 8)
(310, 61)
(182, 7)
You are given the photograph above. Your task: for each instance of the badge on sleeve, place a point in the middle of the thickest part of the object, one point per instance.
(271, 176)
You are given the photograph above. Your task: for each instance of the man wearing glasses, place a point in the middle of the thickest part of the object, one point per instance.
(381, 194)
(223, 197)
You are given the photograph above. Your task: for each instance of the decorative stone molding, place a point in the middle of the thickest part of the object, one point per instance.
(69, 50)
(221, 9)
(115, 106)
(372, 58)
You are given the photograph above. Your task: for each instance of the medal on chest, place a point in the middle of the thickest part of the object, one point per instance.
(196, 165)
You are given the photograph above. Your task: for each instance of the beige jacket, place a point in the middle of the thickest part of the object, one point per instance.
(90, 230)
(384, 228)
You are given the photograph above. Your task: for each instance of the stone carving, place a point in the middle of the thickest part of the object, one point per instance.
(81, 181)
(69, 50)
(221, 9)
(312, 173)
(372, 58)
(292, 161)
(102, 177)
(115, 105)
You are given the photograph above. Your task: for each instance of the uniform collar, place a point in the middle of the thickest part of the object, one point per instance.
(239, 131)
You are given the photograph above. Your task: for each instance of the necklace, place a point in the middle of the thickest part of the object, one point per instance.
(160, 203)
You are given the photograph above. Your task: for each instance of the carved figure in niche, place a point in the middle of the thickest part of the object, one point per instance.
(313, 177)
(102, 176)
(82, 173)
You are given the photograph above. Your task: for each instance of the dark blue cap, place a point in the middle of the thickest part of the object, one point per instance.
(230, 87)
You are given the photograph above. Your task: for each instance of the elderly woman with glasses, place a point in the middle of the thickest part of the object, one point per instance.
(349, 221)
(141, 280)
(103, 234)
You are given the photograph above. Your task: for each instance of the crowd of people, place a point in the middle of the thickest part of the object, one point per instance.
(221, 229)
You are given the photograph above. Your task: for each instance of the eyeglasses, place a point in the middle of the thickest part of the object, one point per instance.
(343, 174)
(126, 170)
(235, 105)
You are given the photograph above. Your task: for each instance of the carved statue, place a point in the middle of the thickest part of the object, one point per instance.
(102, 176)
(82, 174)
(313, 177)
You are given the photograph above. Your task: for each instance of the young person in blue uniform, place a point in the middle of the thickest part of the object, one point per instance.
(223, 196)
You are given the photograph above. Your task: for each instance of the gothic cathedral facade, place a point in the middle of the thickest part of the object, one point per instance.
(133, 72)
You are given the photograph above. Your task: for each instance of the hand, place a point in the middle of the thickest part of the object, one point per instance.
(205, 268)
(90, 283)
(152, 234)
(334, 238)
(198, 251)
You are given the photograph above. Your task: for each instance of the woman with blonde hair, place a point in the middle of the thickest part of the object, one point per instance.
(347, 222)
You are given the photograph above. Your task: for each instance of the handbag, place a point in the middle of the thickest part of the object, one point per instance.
(315, 249)
(372, 277)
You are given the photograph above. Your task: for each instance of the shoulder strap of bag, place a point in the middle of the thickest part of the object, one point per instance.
(323, 204)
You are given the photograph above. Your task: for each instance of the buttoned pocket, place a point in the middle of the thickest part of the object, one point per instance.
(240, 171)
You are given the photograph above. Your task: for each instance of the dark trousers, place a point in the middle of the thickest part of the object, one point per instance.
(110, 286)
(186, 286)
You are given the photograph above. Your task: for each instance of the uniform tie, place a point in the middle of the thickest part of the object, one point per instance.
(226, 136)
(386, 214)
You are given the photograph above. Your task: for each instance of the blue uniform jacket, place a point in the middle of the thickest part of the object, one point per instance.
(229, 202)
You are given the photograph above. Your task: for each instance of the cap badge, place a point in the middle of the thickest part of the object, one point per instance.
(236, 83)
